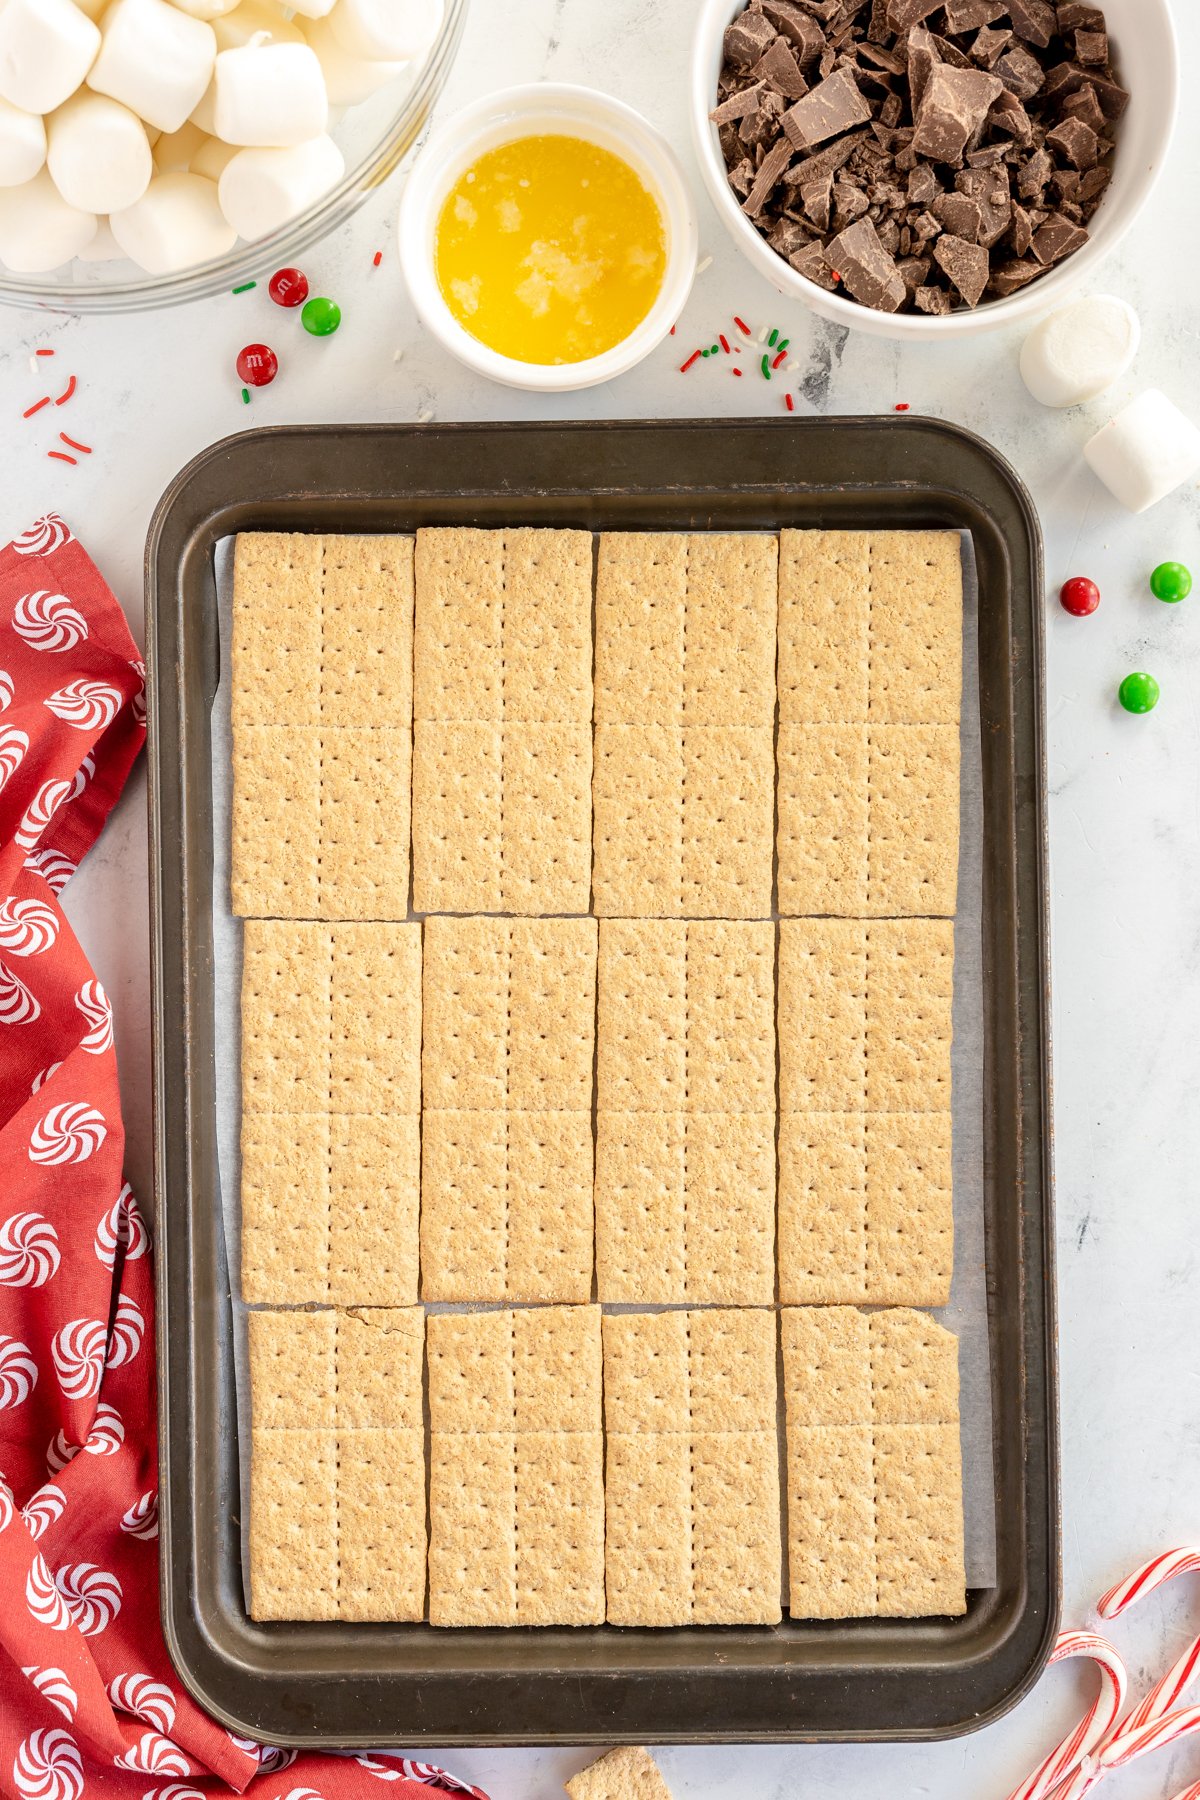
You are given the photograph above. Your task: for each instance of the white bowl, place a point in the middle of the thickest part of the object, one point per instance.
(1147, 58)
(519, 112)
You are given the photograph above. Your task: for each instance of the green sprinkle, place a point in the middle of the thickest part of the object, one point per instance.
(766, 368)
(784, 342)
(245, 396)
(706, 353)
(245, 287)
(771, 339)
(714, 349)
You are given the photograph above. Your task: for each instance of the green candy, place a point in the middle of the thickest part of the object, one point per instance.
(1171, 581)
(321, 316)
(1138, 693)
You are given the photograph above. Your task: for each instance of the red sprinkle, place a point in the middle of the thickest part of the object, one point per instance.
(86, 449)
(724, 342)
(61, 456)
(737, 371)
(741, 325)
(779, 359)
(36, 407)
(835, 274)
(43, 353)
(789, 403)
(377, 258)
(902, 406)
(66, 393)
(672, 331)
(685, 366)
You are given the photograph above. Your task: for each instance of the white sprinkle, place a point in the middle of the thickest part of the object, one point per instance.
(423, 418)
(33, 365)
(701, 266)
(789, 368)
(762, 336)
(397, 356)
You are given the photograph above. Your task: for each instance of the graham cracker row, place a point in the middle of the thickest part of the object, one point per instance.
(685, 1135)
(502, 770)
(516, 1501)
(507, 1176)
(331, 1045)
(875, 1526)
(865, 1191)
(692, 1478)
(629, 1773)
(322, 709)
(337, 1486)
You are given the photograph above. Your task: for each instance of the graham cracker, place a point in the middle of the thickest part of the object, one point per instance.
(331, 1045)
(870, 689)
(875, 1524)
(692, 1479)
(322, 710)
(509, 1031)
(626, 1774)
(685, 1136)
(516, 1501)
(502, 773)
(865, 1192)
(337, 1502)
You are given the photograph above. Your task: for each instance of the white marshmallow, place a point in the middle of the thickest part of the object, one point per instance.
(97, 153)
(386, 30)
(46, 49)
(262, 189)
(176, 223)
(154, 59)
(1079, 351)
(269, 95)
(1146, 452)
(348, 79)
(175, 149)
(255, 19)
(210, 159)
(313, 9)
(22, 145)
(206, 9)
(103, 247)
(38, 230)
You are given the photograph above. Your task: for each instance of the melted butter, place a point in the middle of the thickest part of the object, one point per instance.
(550, 249)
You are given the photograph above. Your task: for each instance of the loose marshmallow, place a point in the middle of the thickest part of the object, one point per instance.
(38, 230)
(46, 50)
(262, 189)
(1080, 350)
(269, 95)
(176, 223)
(206, 9)
(255, 19)
(175, 149)
(348, 79)
(1146, 452)
(103, 247)
(386, 30)
(97, 155)
(154, 59)
(22, 145)
(210, 159)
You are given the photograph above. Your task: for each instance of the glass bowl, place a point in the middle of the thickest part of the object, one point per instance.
(373, 137)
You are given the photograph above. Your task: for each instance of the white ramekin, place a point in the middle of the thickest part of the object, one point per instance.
(519, 112)
(1147, 56)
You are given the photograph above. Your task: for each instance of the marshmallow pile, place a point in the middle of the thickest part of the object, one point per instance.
(164, 130)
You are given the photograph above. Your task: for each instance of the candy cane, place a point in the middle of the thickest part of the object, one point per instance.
(1189, 1793)
(1146, 1580)
(1096, 1724)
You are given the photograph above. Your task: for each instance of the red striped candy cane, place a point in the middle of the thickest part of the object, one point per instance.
(1096, 1724)
(1151, 1576)
(1189, 1793)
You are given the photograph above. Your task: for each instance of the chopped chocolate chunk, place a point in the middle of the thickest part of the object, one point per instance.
(1033, 20)
(827, 161)
(1008, 118)
(787, 236)
(773, 164)
(831, 108)
(902, 15)
(741, 177)
(958, 215)
(801, 30)
(810, 262)
(1093, 185)
(922, 61)
(1012, 276)
(746, 39)
(732, 147)
(1084, 105)
(950, 54)
(817, 200)
(781, 72)
(1072, 15)
(954, 106)
(1020, 72)
(990, 192)
(1091, 47)
(923, 185)
(1075, 142)
(892, 110)
(1031, 181)
(989, 46)
(889, 236)
(967, 265)
(913, 271)
(924, 226)
(739, 103)
(825, 10)
(865, 267)
(849, 203)
(881, 59)
(762, 125)
(966, 15)
(1020, 234)
(987, 158)
(1112, 97)
(933, 300)
(1057, 238)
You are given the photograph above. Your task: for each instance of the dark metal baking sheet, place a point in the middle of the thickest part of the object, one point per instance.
(363, 1685)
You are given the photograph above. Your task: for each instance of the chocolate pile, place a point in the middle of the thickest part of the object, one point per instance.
(921, 154)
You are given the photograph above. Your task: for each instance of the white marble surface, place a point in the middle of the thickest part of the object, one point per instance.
(1125, 794)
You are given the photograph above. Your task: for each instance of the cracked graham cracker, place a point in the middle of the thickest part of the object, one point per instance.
(685, 707)
(331, 1099)
(322, 716)
(337, 1484)
(692, 1474)
(870, 689)
(865, 1031)
(685, 1124)
(516, 1497)
(509, 1031)
(875, 1522)
(502, 769)
(629, 1773)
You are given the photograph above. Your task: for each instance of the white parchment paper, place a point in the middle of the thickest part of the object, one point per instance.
(966, 1315)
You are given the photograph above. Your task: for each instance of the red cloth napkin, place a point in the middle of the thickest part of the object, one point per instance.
(88, 1696)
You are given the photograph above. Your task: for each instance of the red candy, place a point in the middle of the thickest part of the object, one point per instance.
(1080, 597)
(257, 365)
(288, 287)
